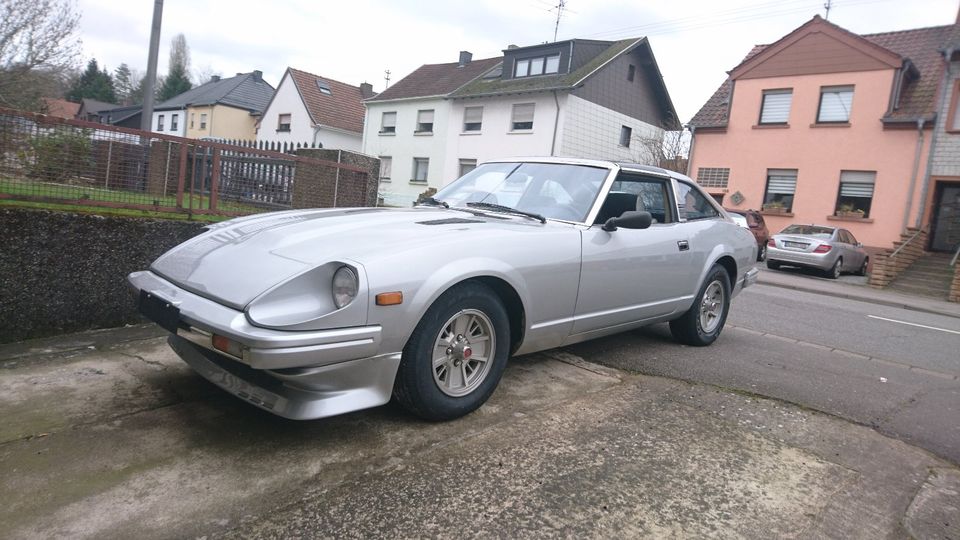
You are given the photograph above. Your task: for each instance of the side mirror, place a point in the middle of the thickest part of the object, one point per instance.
(629, 220)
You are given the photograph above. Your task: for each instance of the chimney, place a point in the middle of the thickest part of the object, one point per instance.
(512, 46)
(465, 57)
(214, 78)
(257, 75)
(366, 90)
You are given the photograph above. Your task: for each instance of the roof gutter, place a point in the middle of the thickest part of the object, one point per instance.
(556, 123)
(913, 177)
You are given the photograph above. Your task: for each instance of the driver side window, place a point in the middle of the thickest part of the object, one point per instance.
(636, 193)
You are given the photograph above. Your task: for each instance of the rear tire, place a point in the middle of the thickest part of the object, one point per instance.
(773, 265)
(834, 273)
(702, 323)
(456, 354)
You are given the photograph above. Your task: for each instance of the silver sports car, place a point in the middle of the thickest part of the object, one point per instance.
(312, 313)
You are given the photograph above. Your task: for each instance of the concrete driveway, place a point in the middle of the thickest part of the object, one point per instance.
(109, 435)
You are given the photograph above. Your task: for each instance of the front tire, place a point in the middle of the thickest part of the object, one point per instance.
(702, 323)
(762, 253)
(456, 355)
(863, 267)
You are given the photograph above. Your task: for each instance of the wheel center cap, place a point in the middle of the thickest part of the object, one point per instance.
(467, 353)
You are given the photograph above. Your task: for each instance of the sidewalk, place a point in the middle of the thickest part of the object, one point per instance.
(855, 288)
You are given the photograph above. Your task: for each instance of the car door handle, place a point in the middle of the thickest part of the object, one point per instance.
(683, 245)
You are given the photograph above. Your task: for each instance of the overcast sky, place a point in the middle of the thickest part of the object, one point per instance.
(695, 41)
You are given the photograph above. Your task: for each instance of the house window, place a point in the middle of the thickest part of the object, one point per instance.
(283, 122)
(420, 168)
(856, 193)
(192, 118)
(537, 66)
(713, 177)
(835, 103)
(775, 107)
(386, 168)
(781, 185)
(626, 134)
(472, 118)
(388, 123)
(631, 72)
(521, 118)
(174, 120)
(467, 165)
(203, 120)
(160, 123)
(424, 121)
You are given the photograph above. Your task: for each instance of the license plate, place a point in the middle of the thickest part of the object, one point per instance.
(799, 245)
(159, 311)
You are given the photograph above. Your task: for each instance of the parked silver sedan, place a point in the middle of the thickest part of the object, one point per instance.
(828, 249)
(312, 313)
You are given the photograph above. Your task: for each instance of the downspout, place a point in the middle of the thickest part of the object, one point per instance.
(693, 144)
(556, 124)
(933, 138)
(916, 171)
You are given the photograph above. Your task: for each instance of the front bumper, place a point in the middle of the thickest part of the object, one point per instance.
(820, 261)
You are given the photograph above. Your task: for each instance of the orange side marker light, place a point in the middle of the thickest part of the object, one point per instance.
(390, 298)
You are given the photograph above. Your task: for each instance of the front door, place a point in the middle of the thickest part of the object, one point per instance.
(946, 218)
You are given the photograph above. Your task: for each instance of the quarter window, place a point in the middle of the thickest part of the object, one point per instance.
(424, 121)
(775, 108)
(388, 123)
(781, 186)
(522, 117)
(856, 193)
(693, 205)
(835, 104)
(283, 122)
(420, 168)
(472, 118)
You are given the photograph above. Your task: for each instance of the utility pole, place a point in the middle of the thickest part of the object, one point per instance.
(827, 7)
(386, 79)
(146, 116)
(559, 7)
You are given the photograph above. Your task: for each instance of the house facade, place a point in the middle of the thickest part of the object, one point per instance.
(826, 126)
(220, 108)
(316, 111)
(942, 188)
(575, 98)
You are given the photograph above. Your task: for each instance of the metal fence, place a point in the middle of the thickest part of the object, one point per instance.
(56, 160)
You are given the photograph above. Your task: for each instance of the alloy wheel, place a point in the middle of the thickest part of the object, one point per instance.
(463, 352)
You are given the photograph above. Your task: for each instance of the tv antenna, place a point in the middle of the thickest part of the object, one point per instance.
(827, 7)
(386, 78)
(559, 7)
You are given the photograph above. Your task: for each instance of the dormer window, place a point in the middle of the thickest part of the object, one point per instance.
(540, 65)
(324, 88)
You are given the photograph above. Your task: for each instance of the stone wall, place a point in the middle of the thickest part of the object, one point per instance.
(318, 186)
(955, 287)
(64, 272)
(886, 266)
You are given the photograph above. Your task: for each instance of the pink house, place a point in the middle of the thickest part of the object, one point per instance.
(829, 127)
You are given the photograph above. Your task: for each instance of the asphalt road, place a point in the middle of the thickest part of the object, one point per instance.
(892, 369)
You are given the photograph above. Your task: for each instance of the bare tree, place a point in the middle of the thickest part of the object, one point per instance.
(204, 74)
(37, 40)
(668, 151)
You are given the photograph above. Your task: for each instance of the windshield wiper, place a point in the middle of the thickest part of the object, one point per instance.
(433, 202)
(506, 210)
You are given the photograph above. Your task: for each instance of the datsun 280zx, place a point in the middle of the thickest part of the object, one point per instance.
(313, 313)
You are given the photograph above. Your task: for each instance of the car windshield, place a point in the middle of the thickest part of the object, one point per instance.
(815, 231)
(552, 190)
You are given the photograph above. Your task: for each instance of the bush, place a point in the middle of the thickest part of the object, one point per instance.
(61, 154)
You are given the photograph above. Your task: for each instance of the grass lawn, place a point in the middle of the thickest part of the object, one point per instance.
(166, 205)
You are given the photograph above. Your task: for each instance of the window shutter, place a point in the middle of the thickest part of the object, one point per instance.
(472, 115)
(776, 107)
(389, 119)
(835, 104)
(523, 112)
(857, 183)
(425, 117)
(781, 181)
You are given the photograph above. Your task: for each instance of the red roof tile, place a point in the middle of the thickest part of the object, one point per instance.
(918, 97)
(436, 79)
(61, 108)
(342, 108)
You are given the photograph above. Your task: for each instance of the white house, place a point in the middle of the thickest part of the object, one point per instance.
(576, 98)
(315, 110)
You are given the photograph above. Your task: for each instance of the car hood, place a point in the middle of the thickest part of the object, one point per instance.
(236, 261)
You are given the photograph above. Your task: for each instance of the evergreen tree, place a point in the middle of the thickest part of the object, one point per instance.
(124, 83)
(94, 83)
(177, 80)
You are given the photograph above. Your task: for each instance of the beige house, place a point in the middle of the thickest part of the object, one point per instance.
(220, 108)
